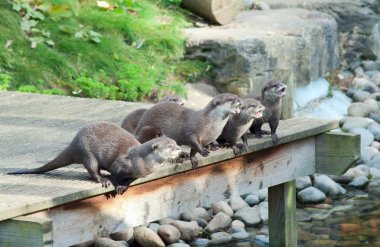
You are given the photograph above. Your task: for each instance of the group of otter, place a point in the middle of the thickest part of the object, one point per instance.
(150, 137)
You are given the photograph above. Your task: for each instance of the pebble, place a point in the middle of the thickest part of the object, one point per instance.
(376, 145)
(374, 128)
(191, 215)
(199, 242)
(375, 116)
(222, 206)
(250, 216)
(359, 182)
(125, 235)
(223, 241)
(367, 153)
(302, 183)
(365, 84)
(165, 221)
(361, 95)
(219, 235)
(201, 222)
(375, 172)
(358, 109)
(262, 240)
(342, 179)
(169, 234)
(263, 194)
(328, 186)
(252, 200)
(371, 65)
(364, 169)
(188, 230)
(236, 202)
(241, 236)
(106, 242)
(145, 237)
(311, 195)
(374, 162)
(236, 229)
(366, 137)
(263, 209)
(355, 122)
(220, 221)
(154, 227)
(179, 245)
(237, 223)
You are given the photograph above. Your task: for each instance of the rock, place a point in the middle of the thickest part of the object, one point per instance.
(145, 237)
(361, 95)
(125, 235)
(364, 169)
(221, 221)
(179, 245)
(374, 162)
(371, 65)
(262, 240)
(201, 222)
(263, 209)
(355, 122)
(372, 105)
(375, 172)
(367, 153)
(165, 221)
(220, 235)
(106, 242)
(365, 84)
(328, 186)
(375, 116)
(374, 128)
(222, 206)
(252, 200)
(302, 183)
(169, 234)
(241, 236)
(237, 223)
(236, 202)
(154, 227)
(342, 179)
(188, 230)
(311, 195)
(252, 42)
(359, 182)
(263, 194)
(194, 214)
(222, 241)
(199, 242)
(236, 229)
(358, 109)
(250, 216)
(376, 145)
(366, 137)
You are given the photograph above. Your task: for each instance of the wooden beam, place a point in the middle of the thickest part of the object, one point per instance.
(336, 152)
(282, 215)
(169, 196)
(26, 231)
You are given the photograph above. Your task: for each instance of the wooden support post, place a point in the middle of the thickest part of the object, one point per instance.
(26, 231)
(282, 215)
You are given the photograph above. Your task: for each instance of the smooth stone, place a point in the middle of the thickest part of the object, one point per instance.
(222, 206)
(188, 230)
(165, 221)
(106, 242)
(354, 173)
(355, 122)
(376, 145)
(364, 169)
(359, 72)
(222, 241)
(361, 95)
(375, 116)
(179, 245)
(201, 222)
(365, 84)
(219, 235)
(328, 186)
(311, 195)
(154, 227)
(199, 242)
(145, 237)
(371, 65)
(367, 153)
(263, 194)
(375, 172)
(374, 163)
(169, 234)
(194, 214)
(358, 109)
(250, 216)
(372, 105)
(374, 128)
(262, 240)
(263, 209)
(236, 202)
(125, 235)
(220, 221)
(241, 236)
(236, 229)
(302, 183)
(359, 182)
(342, 179)
(252, 200)
(366, 137)
(237, 223)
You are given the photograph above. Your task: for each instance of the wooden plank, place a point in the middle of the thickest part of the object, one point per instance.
(171, 195)
(26, 231)
(282, 215)
(20, 195)
(336, 152)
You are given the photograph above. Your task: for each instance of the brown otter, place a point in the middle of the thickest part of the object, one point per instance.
(238, 124)
(148, 133)
(190, 127)
(131, 121)
(271, 97)
(104, 145)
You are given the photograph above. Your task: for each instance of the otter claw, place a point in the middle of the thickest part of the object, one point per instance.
(121, 189)
(205, 152)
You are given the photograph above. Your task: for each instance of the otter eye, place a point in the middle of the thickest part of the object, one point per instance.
(170, 146)
(230, 99)
(252, 105)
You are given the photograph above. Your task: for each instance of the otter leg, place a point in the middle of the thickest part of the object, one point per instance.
(194, 160)
(92, 166)
(245, 141)
(194, 144)
(273, 127)
(256, 129)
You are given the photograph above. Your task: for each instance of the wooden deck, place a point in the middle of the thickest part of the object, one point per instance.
(35, 128)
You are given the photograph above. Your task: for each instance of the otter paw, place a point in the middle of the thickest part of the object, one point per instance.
(205, 152)
(104, 181)
(212, 147)
(264, 132)
(274, 139)
(184, 155)
(120, 189)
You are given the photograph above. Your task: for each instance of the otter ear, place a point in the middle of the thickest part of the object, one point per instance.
(155, 146)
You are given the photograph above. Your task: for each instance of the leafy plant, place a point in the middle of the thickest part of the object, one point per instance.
(5, 81)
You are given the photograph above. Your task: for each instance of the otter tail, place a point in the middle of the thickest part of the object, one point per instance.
(63, 159)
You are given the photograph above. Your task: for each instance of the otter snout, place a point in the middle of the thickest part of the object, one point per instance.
(282, 90)
(236, 106)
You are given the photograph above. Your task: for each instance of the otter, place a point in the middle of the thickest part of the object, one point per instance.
(103, 145)
(271, 97)
(239, 124)
(190, 127)
(131, 121)
(148, 133)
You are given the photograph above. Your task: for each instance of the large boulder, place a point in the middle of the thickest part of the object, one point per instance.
(300, 48)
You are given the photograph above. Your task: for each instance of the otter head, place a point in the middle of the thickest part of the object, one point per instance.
(273, 90)
(165, 148)
(252, 108)
(226, 104)
(173, 98)
(148, 133)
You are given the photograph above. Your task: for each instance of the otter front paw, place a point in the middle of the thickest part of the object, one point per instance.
(205, 152)
(274, 139)
(120, 189)
(104, 181)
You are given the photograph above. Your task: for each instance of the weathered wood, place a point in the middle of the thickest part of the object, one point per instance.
(26, 231)
(169, 196)
(336, 152)
(219, 11)
(282, 215)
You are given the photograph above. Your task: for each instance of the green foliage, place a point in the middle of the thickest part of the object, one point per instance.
(28, 89)
(5, 81)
